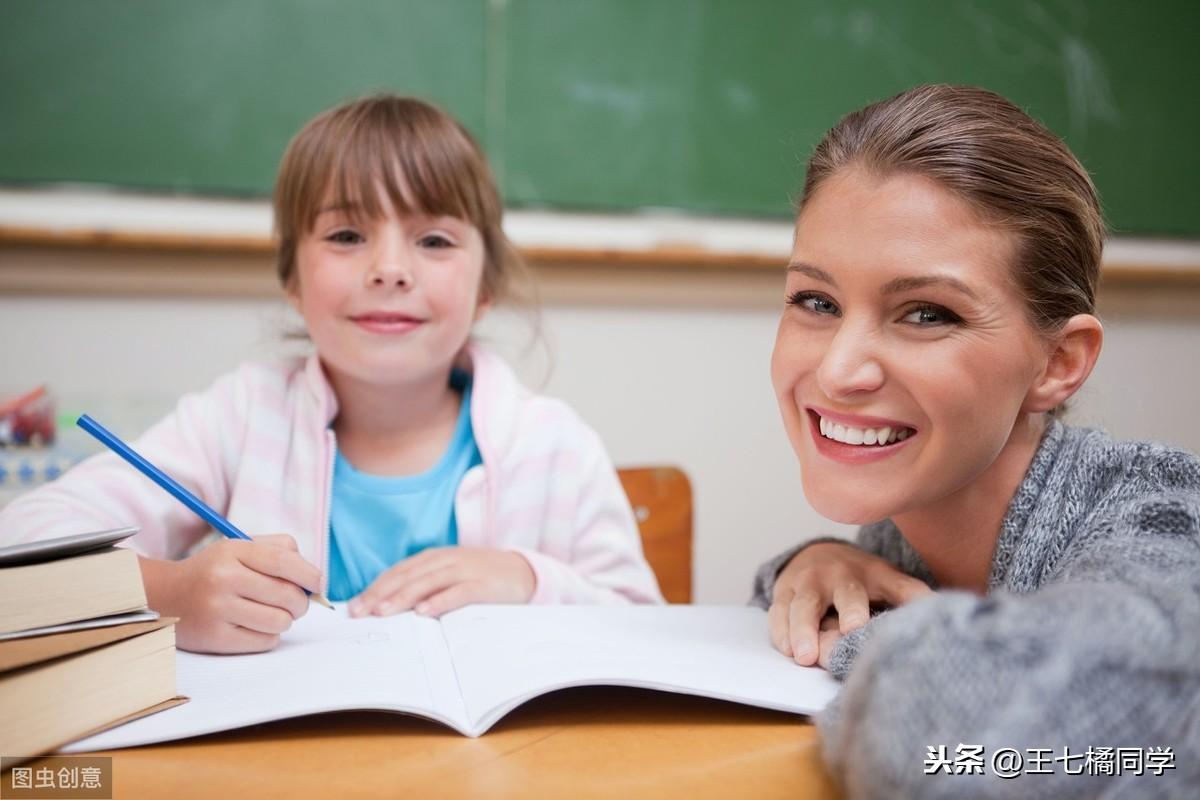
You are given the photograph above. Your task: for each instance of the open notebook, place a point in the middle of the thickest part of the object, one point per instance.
(473, 666)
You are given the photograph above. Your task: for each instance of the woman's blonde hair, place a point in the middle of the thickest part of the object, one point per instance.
(1001, 161)
(422, 160)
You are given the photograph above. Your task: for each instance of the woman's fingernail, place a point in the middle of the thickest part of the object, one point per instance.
(422, 608)
(384, 608)
(356, 609)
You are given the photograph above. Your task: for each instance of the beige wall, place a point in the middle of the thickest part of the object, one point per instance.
(670, 368)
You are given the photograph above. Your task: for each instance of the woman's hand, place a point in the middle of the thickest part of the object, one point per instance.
(831, 576)
(233, 596)
(442, 579)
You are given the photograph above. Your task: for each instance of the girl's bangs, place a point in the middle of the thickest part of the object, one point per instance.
(414, 174)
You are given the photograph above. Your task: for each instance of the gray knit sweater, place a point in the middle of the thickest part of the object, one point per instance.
(1088, 637)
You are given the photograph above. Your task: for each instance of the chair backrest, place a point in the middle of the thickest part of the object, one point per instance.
(662, 502)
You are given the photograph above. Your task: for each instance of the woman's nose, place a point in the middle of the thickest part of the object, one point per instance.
(851, 364)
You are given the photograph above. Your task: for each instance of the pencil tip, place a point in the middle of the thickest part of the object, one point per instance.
(320, 598)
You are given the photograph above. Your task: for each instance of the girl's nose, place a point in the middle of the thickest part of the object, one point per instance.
(386, 277)
(851, 364)
(391, 267)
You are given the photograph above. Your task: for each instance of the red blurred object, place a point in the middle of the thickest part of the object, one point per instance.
(27, 419)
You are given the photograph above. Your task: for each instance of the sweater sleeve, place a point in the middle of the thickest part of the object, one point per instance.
(1102, 656)
(105, 492)
(605, 563)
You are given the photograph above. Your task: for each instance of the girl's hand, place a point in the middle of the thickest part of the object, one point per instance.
(233, 596)
(831, 575)
(442, 579)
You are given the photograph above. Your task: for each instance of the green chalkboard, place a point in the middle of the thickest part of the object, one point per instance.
(704, 105)
(203, 96)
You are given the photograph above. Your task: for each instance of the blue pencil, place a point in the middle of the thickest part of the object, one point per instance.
(202, 509)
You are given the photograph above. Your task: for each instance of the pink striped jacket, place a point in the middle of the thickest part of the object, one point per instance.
(257, 446)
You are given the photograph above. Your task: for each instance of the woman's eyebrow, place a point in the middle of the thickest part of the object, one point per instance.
(922, 281)
(895, 285)
(816, 273)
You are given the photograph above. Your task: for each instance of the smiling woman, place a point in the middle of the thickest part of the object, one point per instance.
(939, 313)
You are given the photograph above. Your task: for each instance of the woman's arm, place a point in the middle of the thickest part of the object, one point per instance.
(1104, 656)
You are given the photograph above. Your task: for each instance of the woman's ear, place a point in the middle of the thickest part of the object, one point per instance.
(1072, 355)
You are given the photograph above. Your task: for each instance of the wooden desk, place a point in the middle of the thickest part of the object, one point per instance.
(596, 742)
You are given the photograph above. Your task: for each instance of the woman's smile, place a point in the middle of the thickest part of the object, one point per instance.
(853, 439)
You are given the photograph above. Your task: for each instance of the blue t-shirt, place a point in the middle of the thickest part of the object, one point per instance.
(375, 522)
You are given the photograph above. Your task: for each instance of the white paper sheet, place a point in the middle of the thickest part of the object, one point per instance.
(326, 662)
(473, 666)
(506, 655)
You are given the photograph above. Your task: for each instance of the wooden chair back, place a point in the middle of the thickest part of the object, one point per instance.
(662, 502)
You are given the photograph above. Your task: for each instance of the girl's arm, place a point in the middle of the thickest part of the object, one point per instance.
(603, 562)
(1102, 656)
(568, 537)
(192, 445)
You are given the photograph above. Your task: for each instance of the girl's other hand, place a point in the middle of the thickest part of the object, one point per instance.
(233, 596)
(442, 579)
(831, 576)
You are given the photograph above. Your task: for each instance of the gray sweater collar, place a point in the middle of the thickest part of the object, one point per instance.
(1019, 541)
(1022, 549)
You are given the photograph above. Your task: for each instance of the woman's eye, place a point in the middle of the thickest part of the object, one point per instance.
(816, 303)
(344, 237)
(436, 241)
(928, 316)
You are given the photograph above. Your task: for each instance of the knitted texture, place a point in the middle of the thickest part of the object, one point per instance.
(1088, 637)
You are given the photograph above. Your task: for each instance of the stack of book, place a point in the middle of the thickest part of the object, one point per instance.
(79, 650)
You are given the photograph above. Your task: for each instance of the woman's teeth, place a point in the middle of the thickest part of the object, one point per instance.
(848, 435)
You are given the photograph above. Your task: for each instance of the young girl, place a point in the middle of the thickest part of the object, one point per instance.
(940, 312)
(404, 466)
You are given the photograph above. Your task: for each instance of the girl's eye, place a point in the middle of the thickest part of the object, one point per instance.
(344, 237)
(931, 316)
(436, 241)
(816, 303)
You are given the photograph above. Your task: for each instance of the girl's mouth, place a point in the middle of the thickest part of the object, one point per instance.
(386, 322)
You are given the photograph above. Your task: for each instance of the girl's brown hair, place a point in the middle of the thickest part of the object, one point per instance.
(419, 156)
(1006, 165)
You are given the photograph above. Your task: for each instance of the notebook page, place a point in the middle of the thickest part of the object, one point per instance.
(505, 655)
(325, 662)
